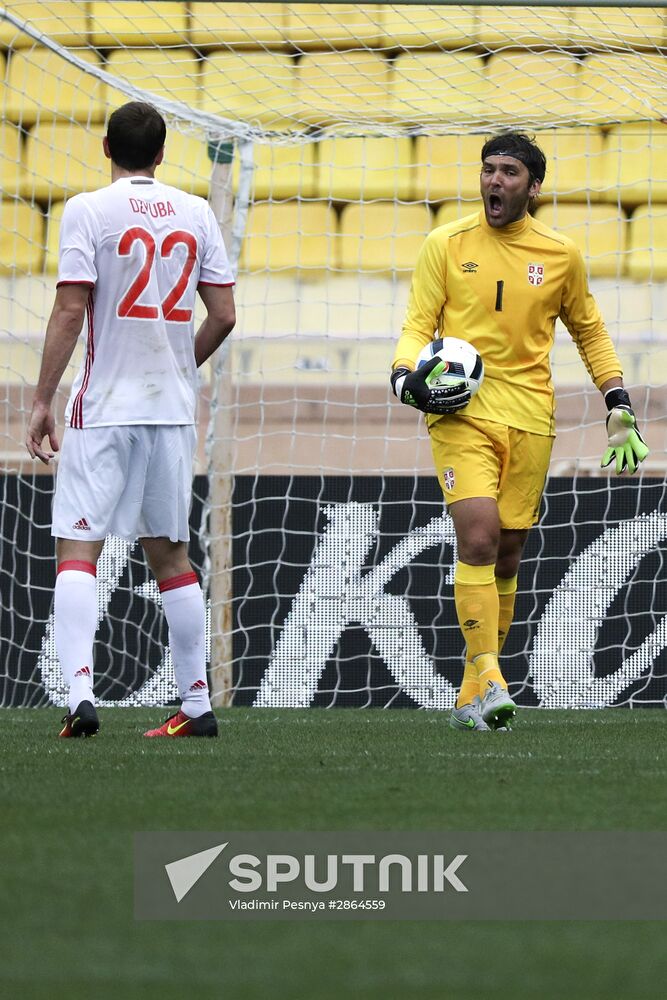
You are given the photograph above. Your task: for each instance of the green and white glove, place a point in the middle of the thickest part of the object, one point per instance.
(626, 445)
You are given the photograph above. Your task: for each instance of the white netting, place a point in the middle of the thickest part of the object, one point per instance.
(356, 130)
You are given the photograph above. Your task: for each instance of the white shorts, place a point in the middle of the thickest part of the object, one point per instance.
(133, 480)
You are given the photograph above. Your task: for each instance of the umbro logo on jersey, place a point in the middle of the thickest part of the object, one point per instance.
(471, 623)
(470, 267)
(81, 525)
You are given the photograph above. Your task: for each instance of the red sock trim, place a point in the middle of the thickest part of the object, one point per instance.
(174, 582)
(79, 565)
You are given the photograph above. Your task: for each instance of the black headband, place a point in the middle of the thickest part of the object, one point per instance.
(517, 155)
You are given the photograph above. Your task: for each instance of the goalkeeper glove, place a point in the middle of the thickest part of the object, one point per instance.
(626, 444)
(413, 389)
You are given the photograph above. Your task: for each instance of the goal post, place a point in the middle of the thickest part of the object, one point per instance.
(329, 139)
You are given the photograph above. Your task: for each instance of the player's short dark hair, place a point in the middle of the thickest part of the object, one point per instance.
(522, 147)
(136, 134)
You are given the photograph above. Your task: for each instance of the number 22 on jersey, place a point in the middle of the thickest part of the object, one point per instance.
(129, 307)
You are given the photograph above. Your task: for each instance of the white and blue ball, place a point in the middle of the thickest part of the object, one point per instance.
(461, 360)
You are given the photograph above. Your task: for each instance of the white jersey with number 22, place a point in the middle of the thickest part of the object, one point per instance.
(143, 247)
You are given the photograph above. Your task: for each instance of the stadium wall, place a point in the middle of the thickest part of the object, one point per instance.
(343, 597)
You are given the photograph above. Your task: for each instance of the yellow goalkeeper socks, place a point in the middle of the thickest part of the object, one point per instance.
(477, 609)
(506, 588)
(488, 669)
(469, 684)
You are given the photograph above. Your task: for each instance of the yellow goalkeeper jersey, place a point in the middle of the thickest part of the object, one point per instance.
(502, 291)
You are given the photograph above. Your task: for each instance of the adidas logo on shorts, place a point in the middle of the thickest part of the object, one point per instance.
(81, 525)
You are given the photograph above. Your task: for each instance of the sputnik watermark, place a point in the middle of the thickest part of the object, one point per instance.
(370, 875)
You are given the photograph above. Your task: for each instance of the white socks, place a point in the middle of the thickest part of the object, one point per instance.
(183, 604)
(75, 624)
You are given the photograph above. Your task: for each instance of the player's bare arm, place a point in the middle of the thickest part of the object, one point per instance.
(62, 332)
(219, 322)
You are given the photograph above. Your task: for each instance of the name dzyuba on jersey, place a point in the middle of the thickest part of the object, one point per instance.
(158, 209)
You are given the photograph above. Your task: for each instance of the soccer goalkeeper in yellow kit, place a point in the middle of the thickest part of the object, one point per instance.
(499, 280)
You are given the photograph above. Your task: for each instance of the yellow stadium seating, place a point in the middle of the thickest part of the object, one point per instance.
(618, 87)
(421, 26)
(21, 238)
(599, 231)
(529, 85)
(635, 163)
(250, 25)
(598, 27)
(172, 73)
(574, 163)
(333, 26)
(451, 211)
(64, 22)
(63, 158)
(448, 166)
(290, 235)
(500, 27)
(282, 171)
(42, 85)
(186, 164)
(382, 236)
(11, 160)
(436, 85)
(130, 23)
(362, 168)
(647, 260)
(251, 86)
(357, 82)
(53, 221)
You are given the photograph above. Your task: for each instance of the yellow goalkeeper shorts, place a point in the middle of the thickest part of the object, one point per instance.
(480, 458)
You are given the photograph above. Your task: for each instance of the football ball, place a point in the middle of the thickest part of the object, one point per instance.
(461, 360)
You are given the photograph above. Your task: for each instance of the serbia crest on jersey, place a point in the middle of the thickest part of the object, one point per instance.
(536, 274)
(143, 248)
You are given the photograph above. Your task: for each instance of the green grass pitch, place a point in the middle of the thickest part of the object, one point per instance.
(69, 809)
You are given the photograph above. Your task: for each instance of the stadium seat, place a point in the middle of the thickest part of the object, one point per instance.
(647, 260)
(11, 161)
(502, 27)
(333, 26)
(63, 158)
(65, 22)
(53, 220)
(248, 25)
(290, 235)
(21, 238)
(420, 26)
(251, 86)
(524, 86)
(356, 82)
(447, 166)
(451, 211)
(382, 236)
(282, 171)
(42, 85)
(619, 87)
(186, 164)
(635, 163)
(129, 24)
(363, 168)
(172, 73)
(598, 27)
(574, 164)
(599, 231)
(436, 85)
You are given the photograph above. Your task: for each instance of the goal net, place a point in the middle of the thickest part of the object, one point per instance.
(331, 138)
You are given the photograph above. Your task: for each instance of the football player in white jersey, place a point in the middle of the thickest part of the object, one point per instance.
(132, 257)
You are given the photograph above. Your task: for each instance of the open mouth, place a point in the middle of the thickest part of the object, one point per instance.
(495, 204)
